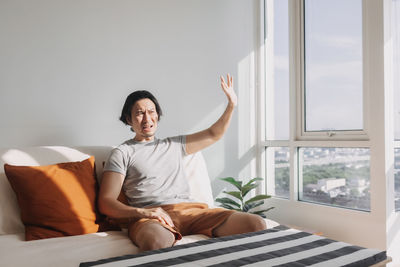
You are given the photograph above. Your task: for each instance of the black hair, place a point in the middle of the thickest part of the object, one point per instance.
(132, 99)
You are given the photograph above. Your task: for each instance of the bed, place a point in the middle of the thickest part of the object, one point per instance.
(278, 246)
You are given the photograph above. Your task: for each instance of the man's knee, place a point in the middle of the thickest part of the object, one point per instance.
(240, 222)
(152, 236)
(256, 223)
(249, 222)
(154, 242)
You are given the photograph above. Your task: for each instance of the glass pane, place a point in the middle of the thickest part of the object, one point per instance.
(396, 65)
(277, 70)
(397, 178)
(335, 176)
(278, 171)
(333, 65)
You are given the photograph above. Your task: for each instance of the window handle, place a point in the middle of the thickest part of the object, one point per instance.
(330, 134)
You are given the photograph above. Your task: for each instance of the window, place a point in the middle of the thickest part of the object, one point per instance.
(396, 87)
(313, 108)
(277, 117)
(277, 99)
(279, 171)
(397, 178)
(339, 161)
(333, 65)
(335, 176)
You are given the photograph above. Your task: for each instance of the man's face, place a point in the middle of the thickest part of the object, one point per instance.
(144, 119)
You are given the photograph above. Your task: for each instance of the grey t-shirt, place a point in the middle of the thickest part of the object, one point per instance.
(154, 171)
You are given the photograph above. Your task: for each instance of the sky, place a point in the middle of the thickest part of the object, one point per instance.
(333, 66)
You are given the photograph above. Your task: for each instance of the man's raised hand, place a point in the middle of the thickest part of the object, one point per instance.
(227, 87)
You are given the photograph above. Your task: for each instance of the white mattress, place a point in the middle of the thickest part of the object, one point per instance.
(68, 251)
(72, 250)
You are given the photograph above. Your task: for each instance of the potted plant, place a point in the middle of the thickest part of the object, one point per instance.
(241, 204)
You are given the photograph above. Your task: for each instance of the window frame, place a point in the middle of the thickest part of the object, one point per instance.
(297, 11)
(297, 136)
(379, 138)
(396, 141)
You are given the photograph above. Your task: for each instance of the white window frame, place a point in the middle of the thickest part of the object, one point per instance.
(296, 9)
(377, 135)
(297, 136)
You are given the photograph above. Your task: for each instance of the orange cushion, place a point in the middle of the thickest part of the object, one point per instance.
(56, 200)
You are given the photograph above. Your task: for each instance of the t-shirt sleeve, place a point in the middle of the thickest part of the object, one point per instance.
(181, 141)
(183, 144)
(116, 162)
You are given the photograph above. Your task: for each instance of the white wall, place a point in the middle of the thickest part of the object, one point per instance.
(67, 66)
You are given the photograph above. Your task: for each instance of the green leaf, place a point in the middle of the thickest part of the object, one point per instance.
(253, 183)
(262, 211)
(254, 180)
(229, 201)
(232, 181)
(257, 198)
(262, 215)
(254, 204)
(226, 206)
(247, 188)
(235, 194)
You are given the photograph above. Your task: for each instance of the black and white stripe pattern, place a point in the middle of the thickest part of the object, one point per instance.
(279, 246)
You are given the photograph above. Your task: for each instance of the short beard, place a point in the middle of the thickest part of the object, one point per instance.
(147, 134)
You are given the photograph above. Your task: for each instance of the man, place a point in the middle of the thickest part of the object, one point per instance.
(150, 173)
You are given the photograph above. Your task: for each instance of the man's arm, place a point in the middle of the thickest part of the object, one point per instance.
(200, 140)
(109, 204)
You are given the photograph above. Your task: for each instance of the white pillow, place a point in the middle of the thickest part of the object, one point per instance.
(199, 181)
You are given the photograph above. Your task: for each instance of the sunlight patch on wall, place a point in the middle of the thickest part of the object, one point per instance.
(69, 154)
(247, 117)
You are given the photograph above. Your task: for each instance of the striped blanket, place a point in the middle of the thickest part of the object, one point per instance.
(278, 246)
